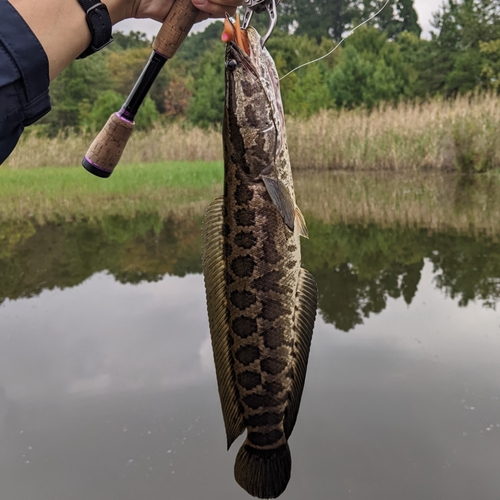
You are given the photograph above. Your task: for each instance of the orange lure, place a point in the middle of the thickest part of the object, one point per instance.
(236, 34)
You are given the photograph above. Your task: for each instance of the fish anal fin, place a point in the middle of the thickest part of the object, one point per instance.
(305, 314)
(281, 198)
(301, 223)
(215, 287)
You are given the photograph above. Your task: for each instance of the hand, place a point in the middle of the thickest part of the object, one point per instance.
(158, 9)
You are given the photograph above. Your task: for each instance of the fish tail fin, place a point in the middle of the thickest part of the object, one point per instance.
(263, 473)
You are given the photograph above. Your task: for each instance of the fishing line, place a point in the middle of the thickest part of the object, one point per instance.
(337, 46)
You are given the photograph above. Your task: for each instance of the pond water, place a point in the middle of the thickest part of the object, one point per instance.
(107, 383)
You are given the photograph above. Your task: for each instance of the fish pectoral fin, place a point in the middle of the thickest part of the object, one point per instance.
(301, 223)
(305, 314)
(215, 287)
(281, 198)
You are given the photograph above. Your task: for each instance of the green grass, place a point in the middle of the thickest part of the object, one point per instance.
(126, 178)
(435, 200)
(73, 193)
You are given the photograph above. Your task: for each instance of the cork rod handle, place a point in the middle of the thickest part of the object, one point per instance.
(107, 148)
(175, 28)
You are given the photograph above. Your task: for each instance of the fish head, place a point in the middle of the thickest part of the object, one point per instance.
(254, 116)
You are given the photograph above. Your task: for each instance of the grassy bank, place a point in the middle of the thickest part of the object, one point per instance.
(431, 200)
(73, 193)
(461, 134)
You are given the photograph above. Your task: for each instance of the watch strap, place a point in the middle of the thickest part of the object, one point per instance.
(99, 24)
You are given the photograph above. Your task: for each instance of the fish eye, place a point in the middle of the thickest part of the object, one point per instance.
(232, 64)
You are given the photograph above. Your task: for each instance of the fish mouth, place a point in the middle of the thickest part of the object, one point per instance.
(237, 53)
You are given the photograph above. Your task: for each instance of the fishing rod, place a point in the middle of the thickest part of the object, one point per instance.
(106, 150)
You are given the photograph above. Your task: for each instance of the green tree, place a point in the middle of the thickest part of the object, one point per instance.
(490, 71)
(333, 18)
(299, 49)
(109, 102)
(396, 17)
(415, 52)
(206, 107)
(305, 91)
(408, 18)
(132, 40)
(349, 79)
(317, 18)
(455, 61)
(371, 69)
(73, 91)
(309, 94)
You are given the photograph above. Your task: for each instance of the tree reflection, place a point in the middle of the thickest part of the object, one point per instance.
(357, 268)
(35, 258)
(345, 298)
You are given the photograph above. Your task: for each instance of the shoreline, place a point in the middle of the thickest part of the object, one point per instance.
(435, 201)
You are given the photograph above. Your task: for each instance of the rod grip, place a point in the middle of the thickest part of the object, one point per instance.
(107, 148)
(175, 28)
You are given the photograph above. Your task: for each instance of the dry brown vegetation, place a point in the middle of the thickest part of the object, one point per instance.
(435, 201)
(171, 142)
(461, 134)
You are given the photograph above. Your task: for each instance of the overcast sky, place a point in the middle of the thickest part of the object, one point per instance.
(425, 8)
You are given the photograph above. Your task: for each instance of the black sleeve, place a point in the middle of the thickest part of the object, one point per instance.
(24, 78)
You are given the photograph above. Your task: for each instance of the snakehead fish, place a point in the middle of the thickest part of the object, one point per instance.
(261, 303)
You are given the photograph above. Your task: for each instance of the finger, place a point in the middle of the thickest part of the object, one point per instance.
(202, 16)
(217, 8)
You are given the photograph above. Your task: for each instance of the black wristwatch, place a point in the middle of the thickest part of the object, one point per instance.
(99, 25)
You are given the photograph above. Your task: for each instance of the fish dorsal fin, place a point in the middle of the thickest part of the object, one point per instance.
(305, 314)
(281, 198)
(215, 287)
(300, 221)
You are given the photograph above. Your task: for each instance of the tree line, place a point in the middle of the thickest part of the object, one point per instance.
(386, 60)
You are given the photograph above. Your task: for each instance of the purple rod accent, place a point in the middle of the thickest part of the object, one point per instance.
(97, 166)
(125, 116)
(160, 54)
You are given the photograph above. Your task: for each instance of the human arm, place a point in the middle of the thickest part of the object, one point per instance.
(62, 30)
(39, 39)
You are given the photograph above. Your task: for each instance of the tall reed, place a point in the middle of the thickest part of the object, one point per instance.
(170, 142)
(461, 134)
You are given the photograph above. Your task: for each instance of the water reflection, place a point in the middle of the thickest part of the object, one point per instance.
(107, 386)
(108, 392)
(357, 268)
(34, 258)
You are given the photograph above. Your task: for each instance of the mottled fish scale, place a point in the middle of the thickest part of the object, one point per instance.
(261, 303)
(248, 268)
